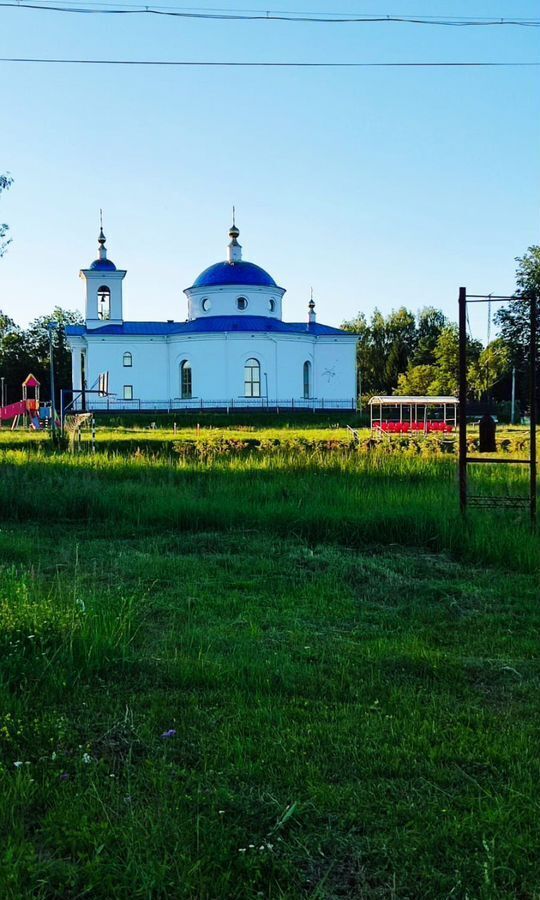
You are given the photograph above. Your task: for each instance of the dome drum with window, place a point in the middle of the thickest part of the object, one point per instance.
(234, 286)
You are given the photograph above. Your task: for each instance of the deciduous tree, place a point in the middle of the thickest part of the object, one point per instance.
(5, 182)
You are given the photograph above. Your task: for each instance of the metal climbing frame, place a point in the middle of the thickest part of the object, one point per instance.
(484, 502)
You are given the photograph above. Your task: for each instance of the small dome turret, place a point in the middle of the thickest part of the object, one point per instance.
(102, 263)
(312, 317)
(234, 251)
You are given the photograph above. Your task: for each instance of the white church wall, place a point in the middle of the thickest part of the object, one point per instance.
(291, 356)
(335, 369)
(218, 366)
(218, 363)
(148, 374)
(208, 369)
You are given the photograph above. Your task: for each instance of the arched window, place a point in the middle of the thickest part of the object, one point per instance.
(128, 359)
(271, 304)
(307, 380)
(252, 378)
(206, 304)
(186, 388)
(241, 302)
(104, 302)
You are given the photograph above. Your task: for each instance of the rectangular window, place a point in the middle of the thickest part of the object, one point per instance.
(128, 392)
(307, 380)
(186, 386)
(252, 384)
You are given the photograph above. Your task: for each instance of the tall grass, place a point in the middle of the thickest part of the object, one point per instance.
(350, 499)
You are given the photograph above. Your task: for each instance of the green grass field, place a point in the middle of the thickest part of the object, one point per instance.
(284, 673)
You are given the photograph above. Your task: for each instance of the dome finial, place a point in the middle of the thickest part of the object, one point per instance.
(234, 251)
(311, 308)
(101, 238)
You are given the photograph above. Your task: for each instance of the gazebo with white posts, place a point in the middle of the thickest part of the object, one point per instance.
(402, 415)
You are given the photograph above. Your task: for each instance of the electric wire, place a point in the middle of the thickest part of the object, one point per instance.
(97, 8)
(262, 65)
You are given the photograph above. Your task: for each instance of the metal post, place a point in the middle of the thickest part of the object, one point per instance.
(93, 435)
(513, 406)
(463, 399)
(52, 326)
(533, 415)
(83, 383)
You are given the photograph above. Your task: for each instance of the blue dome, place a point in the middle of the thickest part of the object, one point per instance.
(103, 265)
(234, 273)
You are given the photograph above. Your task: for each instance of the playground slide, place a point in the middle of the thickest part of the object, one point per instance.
(14, 409)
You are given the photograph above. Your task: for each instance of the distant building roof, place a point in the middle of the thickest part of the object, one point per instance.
(401, 400)
(210, 325)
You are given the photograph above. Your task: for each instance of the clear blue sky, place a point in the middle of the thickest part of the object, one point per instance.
(379, 187)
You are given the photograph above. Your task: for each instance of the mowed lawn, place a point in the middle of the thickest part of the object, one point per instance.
(275, 678)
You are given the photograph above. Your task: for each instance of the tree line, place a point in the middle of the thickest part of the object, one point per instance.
(25, 350)
(406, 353)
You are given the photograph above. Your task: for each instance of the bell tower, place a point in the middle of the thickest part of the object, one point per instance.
(103, 289)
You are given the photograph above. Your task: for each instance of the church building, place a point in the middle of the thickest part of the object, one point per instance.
(233, 350)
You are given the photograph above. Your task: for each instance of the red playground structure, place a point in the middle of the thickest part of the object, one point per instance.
(406, 415)
(38, 414)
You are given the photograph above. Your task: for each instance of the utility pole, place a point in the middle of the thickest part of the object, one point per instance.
(513, 407)
(51, 327)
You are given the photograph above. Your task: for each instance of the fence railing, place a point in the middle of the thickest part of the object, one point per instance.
(110, 404)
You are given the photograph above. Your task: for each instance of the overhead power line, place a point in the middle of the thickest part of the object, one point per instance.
(263, 65)
(98, 8)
